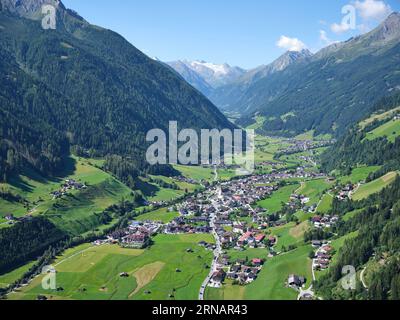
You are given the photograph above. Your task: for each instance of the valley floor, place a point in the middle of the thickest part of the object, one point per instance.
(296, 199)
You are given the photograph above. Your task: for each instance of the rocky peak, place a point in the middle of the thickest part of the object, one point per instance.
(28, 8)
(390, 28)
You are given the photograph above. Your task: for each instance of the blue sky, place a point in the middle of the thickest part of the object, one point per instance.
(240, 32)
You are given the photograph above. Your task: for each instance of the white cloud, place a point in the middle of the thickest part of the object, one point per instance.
(291, 44)
(323, 36)
(373, 9)
(368, 13)
(340, 28)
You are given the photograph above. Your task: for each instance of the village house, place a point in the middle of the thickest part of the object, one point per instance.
(296, 281)
(136, 241)
(9, 217)
(217, 278)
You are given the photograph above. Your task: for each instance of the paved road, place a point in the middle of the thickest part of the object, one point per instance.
(217, 252)
(362, 278)
(302, 293)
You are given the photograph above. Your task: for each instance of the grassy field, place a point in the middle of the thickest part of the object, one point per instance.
(184, 186)
(75, 212)
(271, 282)
(93, 272)
(226, 174)
(379, 117)
(351, 214)
(304, 216)
(162, 215)
(358, 174)
(289, 234)
(258, 124)
(309, 135)
(314, 189)
(266, 148)
(374, 186)
(153, 192)
(196, 172)
(390, 130)
(11, 277)
(274, 203)
(249, 254)
(326, 204)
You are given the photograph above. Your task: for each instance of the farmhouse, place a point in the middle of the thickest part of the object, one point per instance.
(217, 278)
(296, 281)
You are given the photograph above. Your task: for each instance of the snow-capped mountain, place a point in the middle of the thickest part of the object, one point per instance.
(214, 75)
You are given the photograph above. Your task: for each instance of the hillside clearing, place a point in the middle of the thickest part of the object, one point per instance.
(365, 190)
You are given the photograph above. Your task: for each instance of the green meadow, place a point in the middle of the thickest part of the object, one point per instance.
(351, 214)
(365, 190)
(162, 215)
(378, 117)
(258, 124)
(390, 130)
(289, 234)
(196, 172)
(93, 273)
(77, 212)
(271, 282)
(275, 202)
(326, 204)
(358, 174)
(314, 189)
(11, 277)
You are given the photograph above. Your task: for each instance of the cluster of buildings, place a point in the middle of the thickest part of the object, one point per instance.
(188, 225)
(253, 239)
(297, 146)
(241, 271)
(185, 179)
(137, 235)
(69, 184)
(324, 222)
(345, 192)
(207, 246)
(323, 256)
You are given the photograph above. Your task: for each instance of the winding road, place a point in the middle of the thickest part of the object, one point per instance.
(362, 278)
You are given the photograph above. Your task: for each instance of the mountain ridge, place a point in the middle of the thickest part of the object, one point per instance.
(333, 89)
(224, 96)
(91, 87)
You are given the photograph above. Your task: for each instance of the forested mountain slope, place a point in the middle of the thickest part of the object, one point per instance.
(375, 220)
(354, 148)
(334, 89)
(86, 86)
(227, 97)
